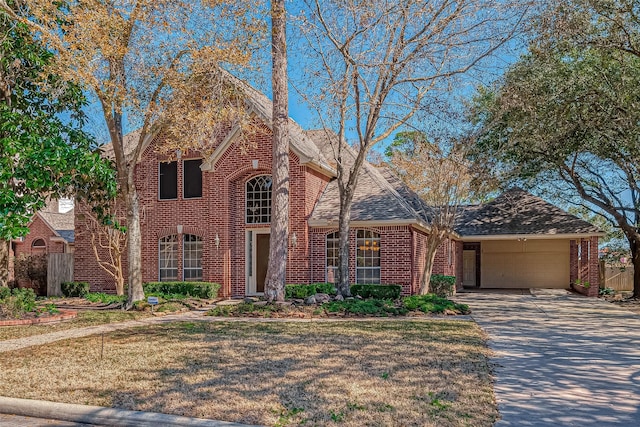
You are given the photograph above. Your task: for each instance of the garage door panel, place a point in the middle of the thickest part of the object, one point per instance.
(531, 264)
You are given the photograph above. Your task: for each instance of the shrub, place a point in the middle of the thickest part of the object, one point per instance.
(371, 307)
(304, 291)
(5, 293)
(442, 285)
(326, 288)
(75, 289)
(377, 291)
(19, 302)
(432, 303)
(32, 268)
(299, 291)
(206, 290)
(105, 298)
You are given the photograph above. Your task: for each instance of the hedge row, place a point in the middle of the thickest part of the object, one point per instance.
(304, 291)
(205, 290)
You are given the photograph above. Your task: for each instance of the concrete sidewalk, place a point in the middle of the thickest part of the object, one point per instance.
(561, 359)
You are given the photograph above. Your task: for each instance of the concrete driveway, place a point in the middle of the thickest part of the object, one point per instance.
(561, 359)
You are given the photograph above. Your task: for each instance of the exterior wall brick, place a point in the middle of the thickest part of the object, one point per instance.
(38, 229)
(219, 212)
(584, 265)
(395, 255)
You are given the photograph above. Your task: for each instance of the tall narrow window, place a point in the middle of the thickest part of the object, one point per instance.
(258, 200)
(332, 257)
(168, 258)
(168, 180)
(367, 257)
(192, 180)
(192, 258)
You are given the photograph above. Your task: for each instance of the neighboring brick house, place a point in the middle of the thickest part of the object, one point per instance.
(207, 218)
(50, 231)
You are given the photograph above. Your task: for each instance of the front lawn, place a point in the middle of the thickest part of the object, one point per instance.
(392, 373)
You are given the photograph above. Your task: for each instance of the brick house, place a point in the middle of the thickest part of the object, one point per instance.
(207, 218)
(51, 231)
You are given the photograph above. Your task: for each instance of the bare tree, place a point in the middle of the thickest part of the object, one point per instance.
(108, 242)
(379, 62)
(278, 244)
(442, 177)
(147, 62)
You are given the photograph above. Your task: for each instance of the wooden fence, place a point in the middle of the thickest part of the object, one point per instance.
(59, 269)
(617, 278)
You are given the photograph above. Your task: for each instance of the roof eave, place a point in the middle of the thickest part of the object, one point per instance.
(476, 238)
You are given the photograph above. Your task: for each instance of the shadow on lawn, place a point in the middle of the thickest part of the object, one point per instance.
(348, 373)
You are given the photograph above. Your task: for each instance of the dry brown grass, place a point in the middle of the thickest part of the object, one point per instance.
(390, 373)
(85, 318)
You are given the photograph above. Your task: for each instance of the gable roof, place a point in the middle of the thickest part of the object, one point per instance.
(379, 198)
(62, 224)
(517, 212)
(259, 104)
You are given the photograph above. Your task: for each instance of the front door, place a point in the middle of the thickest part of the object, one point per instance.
(262, 260)
(257, 260)
(469, 268)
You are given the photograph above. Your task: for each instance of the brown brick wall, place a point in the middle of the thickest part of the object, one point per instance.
(220, 211)
(38, 229)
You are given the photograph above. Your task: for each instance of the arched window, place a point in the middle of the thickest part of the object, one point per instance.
(168, 258)
(192, 258)
(258, 200)
(39, 244)
(332, 257)
(367, 257)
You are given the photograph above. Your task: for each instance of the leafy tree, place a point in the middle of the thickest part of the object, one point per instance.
(380, 62)
(43, 151)
(566, 119)
(441, 176)
(152, 64)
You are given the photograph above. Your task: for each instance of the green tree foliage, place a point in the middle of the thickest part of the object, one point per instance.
(566, 118)
(43, 150)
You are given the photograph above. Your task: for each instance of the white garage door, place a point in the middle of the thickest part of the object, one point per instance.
(525, 264)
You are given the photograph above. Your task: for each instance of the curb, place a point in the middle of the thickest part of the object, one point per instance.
(100, 415)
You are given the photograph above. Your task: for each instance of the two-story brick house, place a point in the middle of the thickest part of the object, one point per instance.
(208, 217)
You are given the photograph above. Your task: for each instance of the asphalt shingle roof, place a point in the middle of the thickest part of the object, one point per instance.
(518, 212)
(375, 198)
(62, 223)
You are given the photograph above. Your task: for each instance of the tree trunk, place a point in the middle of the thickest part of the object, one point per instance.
(429, 256)
(344, 219)
(4, 262)
(634, 244)
(278, 244)
(134, 247)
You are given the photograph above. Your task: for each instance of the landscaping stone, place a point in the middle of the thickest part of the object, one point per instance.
(339, 298)
(322, 298)
(260, 303)
(311, 300)
(250, 300)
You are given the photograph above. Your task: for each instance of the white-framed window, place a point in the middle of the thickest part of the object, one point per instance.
(192, 258)
(168, 258)
(332, 249)
(367, 257)
(258, 200)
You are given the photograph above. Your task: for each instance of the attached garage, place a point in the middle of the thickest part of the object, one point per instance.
(525, 264)
(521, 241)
